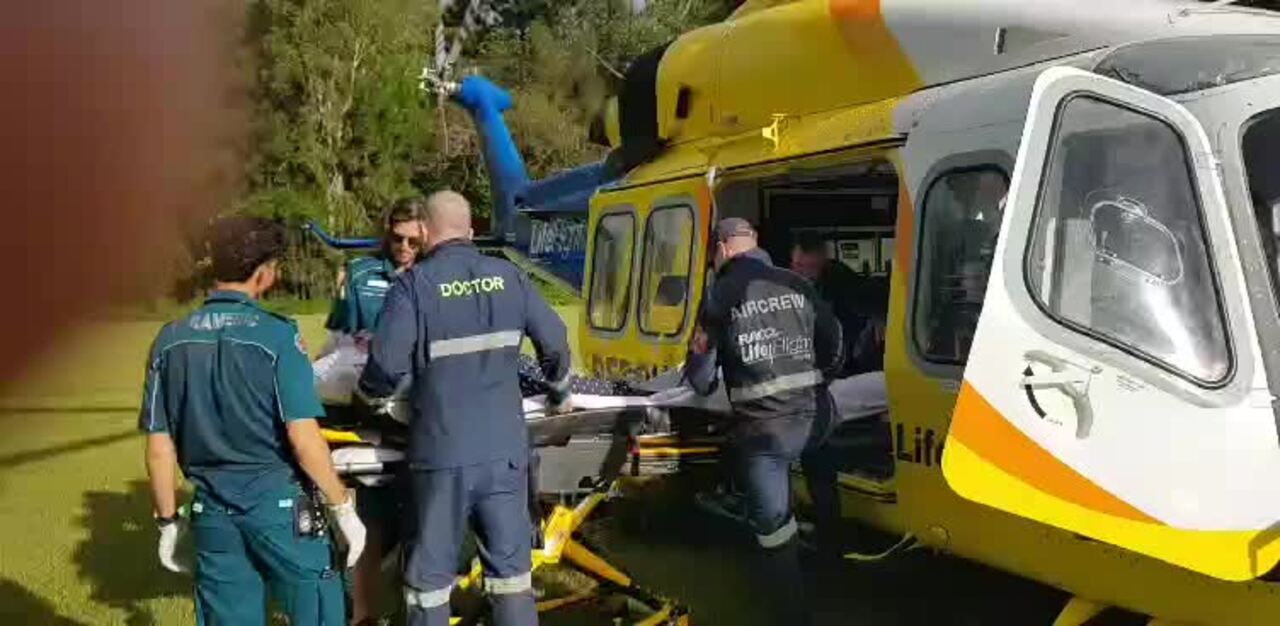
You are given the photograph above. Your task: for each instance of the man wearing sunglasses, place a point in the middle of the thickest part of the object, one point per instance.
(364, 289)
(356, 312)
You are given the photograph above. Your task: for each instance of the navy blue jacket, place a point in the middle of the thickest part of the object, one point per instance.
(455, 322)
(223, 383)
(861, 305)
(776, 341)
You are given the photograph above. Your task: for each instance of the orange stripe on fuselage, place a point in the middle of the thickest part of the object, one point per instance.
(862, 11)
(904, 240)
(705, 200)
(982, 429)
(874, 46)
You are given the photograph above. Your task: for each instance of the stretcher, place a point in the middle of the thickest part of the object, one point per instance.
(571, 475)
(582, 457)
(657, 429)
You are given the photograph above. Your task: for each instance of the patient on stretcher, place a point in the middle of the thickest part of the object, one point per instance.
(858, 397)
(662, 406)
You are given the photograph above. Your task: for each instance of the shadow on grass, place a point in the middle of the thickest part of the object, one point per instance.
(20, 606)
(118, 559)
(11, 461)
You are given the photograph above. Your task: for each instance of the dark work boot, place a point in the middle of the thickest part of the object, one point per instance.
(514, 609)
(781, 583)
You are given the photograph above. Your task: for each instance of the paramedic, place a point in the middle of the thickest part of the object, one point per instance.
(859, 302)
(356, 313)
(778, 345)
(455, 322)
(229, 397)
(366, 280)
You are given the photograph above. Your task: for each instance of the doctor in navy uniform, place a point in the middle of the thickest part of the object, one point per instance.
(455, 322)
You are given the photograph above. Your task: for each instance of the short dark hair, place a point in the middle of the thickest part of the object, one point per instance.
(239, 245)
(405, 210)
(810, 242)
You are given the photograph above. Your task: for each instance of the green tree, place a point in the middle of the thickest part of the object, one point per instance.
(340, 127)
(565, 61)
(339, 115)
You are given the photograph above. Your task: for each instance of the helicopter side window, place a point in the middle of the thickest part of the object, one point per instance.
(961, 219)
(1261, 145)
(665, 270)
(610, 293)
(1119, 250)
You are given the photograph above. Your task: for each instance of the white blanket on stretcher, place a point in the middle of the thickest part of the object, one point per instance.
(338, 369)
(858, 397)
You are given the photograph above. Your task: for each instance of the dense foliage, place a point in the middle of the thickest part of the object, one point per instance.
(340, 126)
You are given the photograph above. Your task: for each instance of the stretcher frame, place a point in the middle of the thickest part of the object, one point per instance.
(559, 528)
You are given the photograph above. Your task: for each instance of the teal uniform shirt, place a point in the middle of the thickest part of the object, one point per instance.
(368, 281)
(223, 383)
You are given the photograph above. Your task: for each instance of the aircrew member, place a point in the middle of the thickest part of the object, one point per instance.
(455, 322)
(368, 279)
(857, 301)
(229, 396)
(777, 345)
(860, 303)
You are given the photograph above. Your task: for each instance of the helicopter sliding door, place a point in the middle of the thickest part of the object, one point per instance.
(648, 248)
(1114, 387)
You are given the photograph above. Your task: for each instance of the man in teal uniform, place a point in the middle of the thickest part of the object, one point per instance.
(356, 313)
(229, 397)
(367, 279)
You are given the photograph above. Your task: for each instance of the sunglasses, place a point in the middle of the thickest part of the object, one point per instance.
(412, 242)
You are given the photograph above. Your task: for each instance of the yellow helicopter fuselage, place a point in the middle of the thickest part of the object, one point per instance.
(851, 118)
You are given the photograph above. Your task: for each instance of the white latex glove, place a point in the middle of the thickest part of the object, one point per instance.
(352, 529)
(169, 536)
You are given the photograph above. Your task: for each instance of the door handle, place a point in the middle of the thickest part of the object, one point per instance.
(1067, 378)
(1042, 381)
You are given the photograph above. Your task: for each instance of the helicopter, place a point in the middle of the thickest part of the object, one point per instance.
(1072, 207)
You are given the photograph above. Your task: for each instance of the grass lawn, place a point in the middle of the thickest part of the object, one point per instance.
(78, 545)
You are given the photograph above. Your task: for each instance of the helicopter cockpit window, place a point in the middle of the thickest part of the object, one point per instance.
(961, 219)
(1118, 249)
(610, 293)
(1186, 64)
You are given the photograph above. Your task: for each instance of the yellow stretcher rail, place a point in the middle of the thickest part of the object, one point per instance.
(559, 546)
(340, 436)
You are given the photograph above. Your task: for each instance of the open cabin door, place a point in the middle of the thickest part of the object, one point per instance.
(1114, 386)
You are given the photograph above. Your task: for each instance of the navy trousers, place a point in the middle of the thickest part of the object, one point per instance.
(762, 457)
(494, 498)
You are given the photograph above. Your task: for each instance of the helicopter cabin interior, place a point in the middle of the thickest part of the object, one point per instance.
(852, 207)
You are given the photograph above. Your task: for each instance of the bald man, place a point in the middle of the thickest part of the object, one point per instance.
(455, 322)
